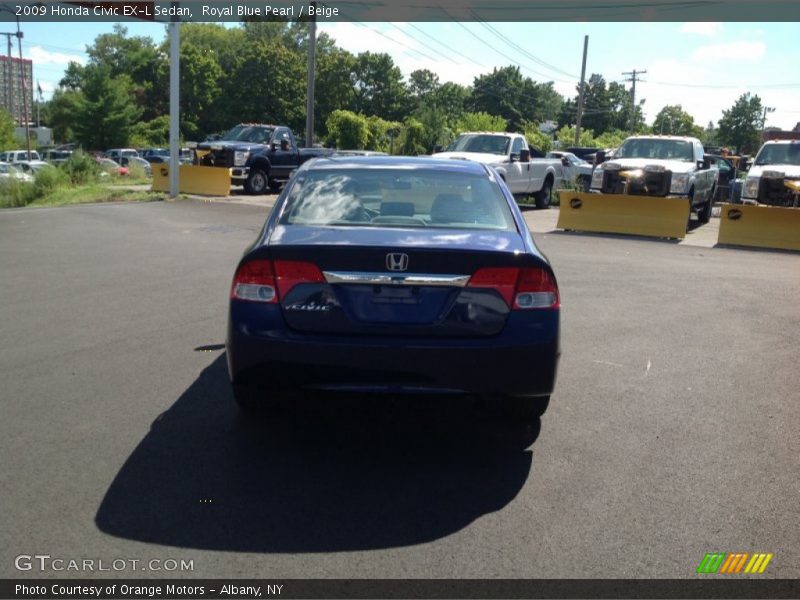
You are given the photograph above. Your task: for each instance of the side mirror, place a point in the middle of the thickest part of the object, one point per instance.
(274, 146)
(514, 157)
(565, 161)
(438, 148)
(524, 155)
(704, 164)
(599, 157)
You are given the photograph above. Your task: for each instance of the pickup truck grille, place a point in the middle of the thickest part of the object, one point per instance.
(651, 183)
(218, 158)
(771, 190)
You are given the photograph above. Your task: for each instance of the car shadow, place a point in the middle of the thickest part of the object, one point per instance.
(333, 472)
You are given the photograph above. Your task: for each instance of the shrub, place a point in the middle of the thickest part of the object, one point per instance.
(49, 179)
(14, 192)
(81, 168)
(347, 130)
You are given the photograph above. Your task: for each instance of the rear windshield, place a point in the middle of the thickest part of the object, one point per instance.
(396, 198)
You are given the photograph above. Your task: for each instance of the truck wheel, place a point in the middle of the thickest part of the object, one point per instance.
(543, 195)
(275, 185)
(704, 214)
(256, 182)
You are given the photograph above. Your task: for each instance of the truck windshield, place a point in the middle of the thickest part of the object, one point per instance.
(656, 148)
(779, 154)
(248, 133)
(490, 144)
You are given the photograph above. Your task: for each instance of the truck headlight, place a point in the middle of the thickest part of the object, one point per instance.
(679, 183)
(750, 189)
(597, 178)
(240, 158)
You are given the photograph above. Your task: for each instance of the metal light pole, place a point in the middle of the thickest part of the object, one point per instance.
(312, 61)
(174, 105)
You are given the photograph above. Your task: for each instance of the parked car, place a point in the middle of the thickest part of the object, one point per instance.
(155, 154)
(9, 171)
(574, 169)
(260, 157)
(116, 153)
(136, 162)
(32, 166)
(15, 156)
(395, 273)
(111, 167)
(56, 156)
(510, 154)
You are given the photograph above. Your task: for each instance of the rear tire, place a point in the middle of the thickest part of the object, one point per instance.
(543, 195)
(257, 181)
(524, 407)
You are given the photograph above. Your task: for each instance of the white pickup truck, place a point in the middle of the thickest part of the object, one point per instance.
(510, 155)
(775, 175)
(660, 165)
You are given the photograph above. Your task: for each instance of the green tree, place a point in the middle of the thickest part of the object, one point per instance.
(63, 110)
(378, 87)
(412, 138)
(7, 138)
(566, 135)
(106, 111)
(333, 89)
(673, 120)
(452, 99)
(199, 86)
(610, 139)
(620, 104)
(597, 105)
(270, 86)
(150, 133)
(741, 124)
(541, 141)
(505, 92)
(479, 121)
(348, 130)
(381, 134)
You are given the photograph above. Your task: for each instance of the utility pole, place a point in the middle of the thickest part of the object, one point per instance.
(633, 74)
(312, 60)
(24, 92)
(174, 104)
(9, 73)
(580, 93)
(767, 109)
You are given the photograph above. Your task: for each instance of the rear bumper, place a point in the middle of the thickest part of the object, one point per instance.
(522, 360)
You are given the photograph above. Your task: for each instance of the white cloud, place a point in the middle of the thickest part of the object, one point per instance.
(40, 56)
(731, 51)
(699, 28)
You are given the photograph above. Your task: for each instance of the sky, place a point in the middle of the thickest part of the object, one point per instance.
(704, 67)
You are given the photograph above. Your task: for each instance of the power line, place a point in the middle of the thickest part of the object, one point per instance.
(522, 50)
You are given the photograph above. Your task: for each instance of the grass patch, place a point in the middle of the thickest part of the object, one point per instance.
(28, 195)
(95, 193)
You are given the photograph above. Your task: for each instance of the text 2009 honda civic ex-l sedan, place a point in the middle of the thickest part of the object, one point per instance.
(395, 274)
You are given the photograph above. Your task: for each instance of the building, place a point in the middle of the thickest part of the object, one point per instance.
(777, 134)
(11, 87)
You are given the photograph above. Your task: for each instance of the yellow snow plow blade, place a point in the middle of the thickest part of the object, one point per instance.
(622, 213)
(208, 181)
(760, 226)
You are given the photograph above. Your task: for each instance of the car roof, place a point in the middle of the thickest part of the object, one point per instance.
(396, 162)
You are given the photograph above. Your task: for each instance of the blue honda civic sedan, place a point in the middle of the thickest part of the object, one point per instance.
(395, 274)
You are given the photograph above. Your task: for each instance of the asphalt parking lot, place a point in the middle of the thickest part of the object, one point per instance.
(672, 432)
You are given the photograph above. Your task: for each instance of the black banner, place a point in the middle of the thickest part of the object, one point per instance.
(402, 10)
(180, 589)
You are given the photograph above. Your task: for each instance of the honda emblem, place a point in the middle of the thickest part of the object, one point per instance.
(397, 261)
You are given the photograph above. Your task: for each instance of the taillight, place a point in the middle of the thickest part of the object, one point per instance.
(289, 273)
(521, 288)
(255, 281)
(536, 288)
(264, 280)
